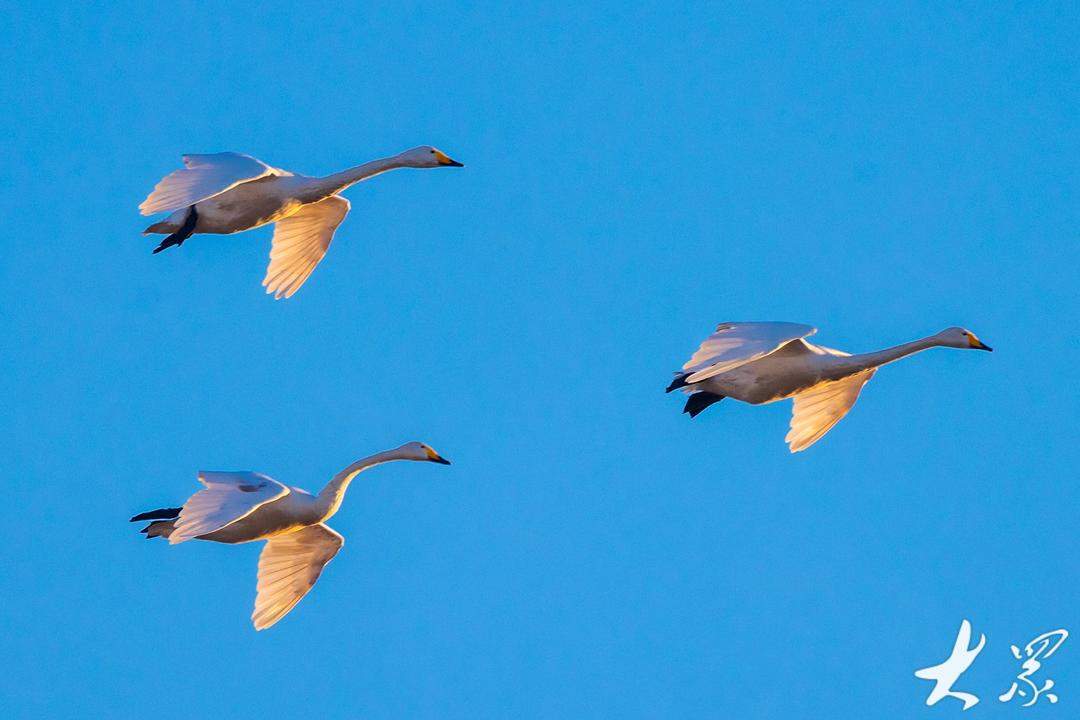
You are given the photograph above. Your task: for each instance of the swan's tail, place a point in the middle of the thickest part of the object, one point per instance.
(164, 522)
(159, 528)
(164, 227)
(168, 225)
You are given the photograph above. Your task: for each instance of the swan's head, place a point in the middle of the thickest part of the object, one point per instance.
(426, 156)
(958, 337)
(420, 451)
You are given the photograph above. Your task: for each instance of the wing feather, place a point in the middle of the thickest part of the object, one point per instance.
(227, 497)
(737, 343)
(816, 410)
(288, 568)
(203, 176)
(300, 242)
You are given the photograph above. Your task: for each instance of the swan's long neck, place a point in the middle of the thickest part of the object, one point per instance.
(330, 497)
(888, 355)
(333, 184)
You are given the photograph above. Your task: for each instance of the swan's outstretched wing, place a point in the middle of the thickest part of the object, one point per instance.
(203, 176)
(227, 497)
(737, 343)
(816, 410)
(288, 567)
(300, 242)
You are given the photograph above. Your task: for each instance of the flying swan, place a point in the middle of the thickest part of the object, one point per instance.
(228, 193)
(239, 507)
(762, 362)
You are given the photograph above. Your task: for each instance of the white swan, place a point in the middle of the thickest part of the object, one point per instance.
(239, 507)
(761, 362)
(228, 193)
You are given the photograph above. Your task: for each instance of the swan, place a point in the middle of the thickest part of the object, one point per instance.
(228, 192)
(240, 507)
(762, 362)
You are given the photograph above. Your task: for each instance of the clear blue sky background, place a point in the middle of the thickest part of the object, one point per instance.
(635, 174)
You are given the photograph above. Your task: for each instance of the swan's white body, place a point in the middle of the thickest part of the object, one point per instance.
(240, 507)
(762, 362)
(227, 193)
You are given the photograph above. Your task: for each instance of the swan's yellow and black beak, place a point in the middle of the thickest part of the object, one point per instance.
(445, 160)
(978, 344)
(435, 457)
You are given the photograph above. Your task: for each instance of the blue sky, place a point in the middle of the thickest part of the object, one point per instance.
(634, 175)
